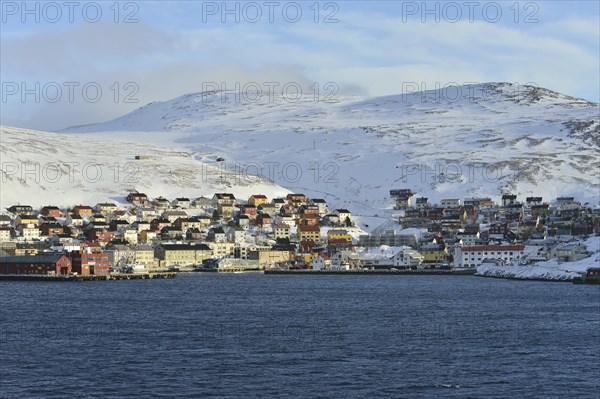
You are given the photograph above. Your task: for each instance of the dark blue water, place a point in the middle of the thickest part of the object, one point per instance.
(255, 336)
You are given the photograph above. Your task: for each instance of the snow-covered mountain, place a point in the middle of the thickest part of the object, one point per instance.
(42, 168)
(479, 140)
(464, 141)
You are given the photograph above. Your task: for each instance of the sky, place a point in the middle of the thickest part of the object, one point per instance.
(71, 63)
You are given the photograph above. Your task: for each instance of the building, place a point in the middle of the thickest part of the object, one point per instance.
(20, 209)
(176, 255)
(181, 202)
(321, 203)
(86, 263)
(402, 192)
(479, 202)
(29, 232)
(281, 230)
(5, 234)
(223, 200)
(5, 220)
(270, 257)
(161, 204)
(309, 233)
(51, 229)
(341, 216)
(390, 238)
(339, 234)
(509, 199)
(106, 208)
(407, 258)
(422, 203)
(450, 203)
(50, 264)
(172, 216)
(222, 249)
(434, 253)
(258, 199)
(26, 219)
(53, 211)
(202, 203)
(296, 199)
(82, 210)
(137, 198)
(473, 256)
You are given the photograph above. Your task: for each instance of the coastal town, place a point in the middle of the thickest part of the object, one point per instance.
(225, 233)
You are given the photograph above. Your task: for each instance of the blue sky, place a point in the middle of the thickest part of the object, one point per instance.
(372, 48)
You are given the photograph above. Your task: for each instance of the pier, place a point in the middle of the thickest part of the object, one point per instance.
(91, 277)
(422, 272)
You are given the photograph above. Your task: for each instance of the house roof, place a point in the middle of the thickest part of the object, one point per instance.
(224, 196)
(516, 247)
(309, 228)
(28, 259)
(183, 247)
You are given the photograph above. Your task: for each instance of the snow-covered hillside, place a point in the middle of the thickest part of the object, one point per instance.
(478, 140)
(41, 168)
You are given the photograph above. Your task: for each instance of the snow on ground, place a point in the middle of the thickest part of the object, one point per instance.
(40, 168)
(491, 138)
(548, 270)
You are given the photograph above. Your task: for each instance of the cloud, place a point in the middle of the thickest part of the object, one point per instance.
(369, 53)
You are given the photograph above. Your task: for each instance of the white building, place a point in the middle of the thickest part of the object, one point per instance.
(450, 203)
(407, 258)
(320, 263)
(472, 256)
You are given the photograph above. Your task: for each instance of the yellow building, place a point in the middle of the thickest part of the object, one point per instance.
(339, 234)
(309, 233)
(270, 257)
(257, 200)
(434, 253)
(182, 254)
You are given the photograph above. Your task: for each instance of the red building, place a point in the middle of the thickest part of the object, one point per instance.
(50, 211)
(51, 229)
(85, 263)
(137, 198)
(297, 199)
(264, 220)
(82, 210)
(100, 235)
(39, 264)
(305, 210)
(248, 210)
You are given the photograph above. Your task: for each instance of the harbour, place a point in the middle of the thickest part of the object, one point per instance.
(362, 272)
(91, 277)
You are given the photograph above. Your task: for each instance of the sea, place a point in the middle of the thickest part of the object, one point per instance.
(249, 335)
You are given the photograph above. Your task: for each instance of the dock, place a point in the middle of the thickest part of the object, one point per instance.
(363, 272)
(91, 277)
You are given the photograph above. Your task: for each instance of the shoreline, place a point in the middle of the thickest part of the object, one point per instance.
(73, 278)
(525, 278)
(439, 272)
